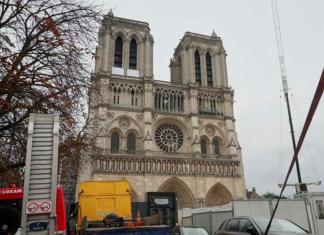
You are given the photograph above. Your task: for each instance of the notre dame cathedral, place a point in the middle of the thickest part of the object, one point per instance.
(160, 136)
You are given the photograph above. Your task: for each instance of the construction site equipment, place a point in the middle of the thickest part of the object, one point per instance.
(11, 210)
(164, 204)
(97, 199)
(275, 13)
(40, 181)
(315, 200)
(104, 207)
(143, 230)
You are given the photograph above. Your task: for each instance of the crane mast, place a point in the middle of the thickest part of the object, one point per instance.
(284, 78)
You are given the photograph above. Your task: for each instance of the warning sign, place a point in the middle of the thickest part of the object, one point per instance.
(39, 207)
(46, 206)
(32, 207)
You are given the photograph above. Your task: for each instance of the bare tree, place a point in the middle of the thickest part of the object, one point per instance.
(45, 63)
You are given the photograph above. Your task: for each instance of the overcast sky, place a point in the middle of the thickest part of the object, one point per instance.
(247, 30)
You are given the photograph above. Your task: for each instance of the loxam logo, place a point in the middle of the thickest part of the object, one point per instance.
(10, 191)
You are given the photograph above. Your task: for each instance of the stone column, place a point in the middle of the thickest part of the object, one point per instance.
(148, 56)
(125, 55)
(111, 54)
(203, 69)
(123, 143)
(195, 143)
(241, 183)
(224, 69)
(104, 89)
(148, 107)
(99, 54)
(184, 64)
(191, 63)
(228, 106)
(231, 143)
(106, 54)
(229, 125)
(218, 71)
(213, 61)
(95, 95)
(151, 56)
(140, 58)
(146, 52)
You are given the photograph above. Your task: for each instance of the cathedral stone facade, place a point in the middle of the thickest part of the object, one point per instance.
(160, 136)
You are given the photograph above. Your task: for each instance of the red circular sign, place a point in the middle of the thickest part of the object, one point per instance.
(32, 207)
(45, 206)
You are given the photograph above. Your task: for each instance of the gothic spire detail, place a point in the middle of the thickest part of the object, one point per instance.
(111, 14)
(214, 34)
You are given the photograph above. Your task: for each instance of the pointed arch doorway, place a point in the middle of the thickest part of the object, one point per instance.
(184, 196)
(218, 195)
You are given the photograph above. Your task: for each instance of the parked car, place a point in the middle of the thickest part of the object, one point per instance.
(257, 226)
(184, 230)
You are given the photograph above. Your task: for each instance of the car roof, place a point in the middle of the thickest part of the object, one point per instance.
(188, 226)
(240, 217)
(252, 217)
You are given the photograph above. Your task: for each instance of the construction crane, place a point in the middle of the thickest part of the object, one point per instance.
(284, 83)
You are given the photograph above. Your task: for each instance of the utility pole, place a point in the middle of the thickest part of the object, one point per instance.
(284, 82)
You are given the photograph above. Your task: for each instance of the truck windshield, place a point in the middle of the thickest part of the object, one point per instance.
(193, 231)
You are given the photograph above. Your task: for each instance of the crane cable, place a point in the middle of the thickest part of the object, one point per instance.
(310, 115)
(308, 152)
(280, 143)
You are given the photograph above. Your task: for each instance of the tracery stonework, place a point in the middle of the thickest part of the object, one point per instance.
(210, 130)
(168, 137)
(110, 115)
(139, 117)
(174, 136)
(124, 123)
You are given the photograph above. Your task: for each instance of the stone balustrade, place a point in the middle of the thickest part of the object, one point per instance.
(122, 152)
(139, 164)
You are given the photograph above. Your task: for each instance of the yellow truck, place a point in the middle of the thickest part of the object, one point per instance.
(100, 198)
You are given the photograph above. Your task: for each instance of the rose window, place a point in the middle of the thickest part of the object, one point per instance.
(168, 137)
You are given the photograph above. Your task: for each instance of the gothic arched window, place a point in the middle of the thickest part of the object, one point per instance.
(169, 100)
(197, 68)
(133, 54)
(215, 146)
(209, 70)
(118, 59)
(203, 146)
(131, 143)
(114, 146)
(133, 98)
